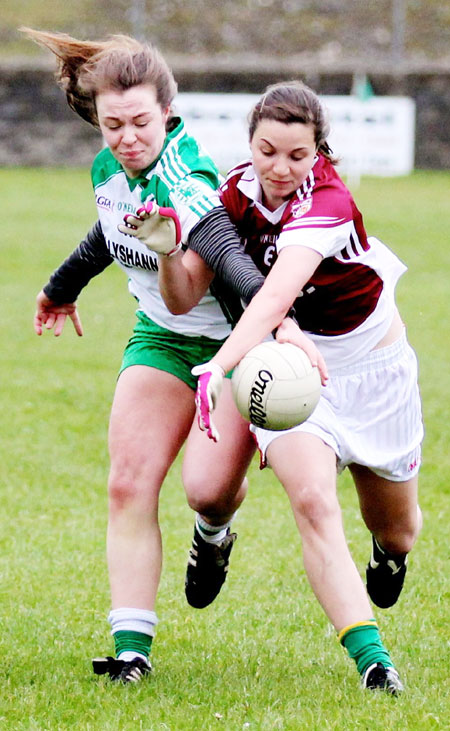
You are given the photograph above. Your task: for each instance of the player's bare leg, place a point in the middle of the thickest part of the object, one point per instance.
(215, 484)
(307, 469)
(213, 473)
(391, 512)
(150, 419)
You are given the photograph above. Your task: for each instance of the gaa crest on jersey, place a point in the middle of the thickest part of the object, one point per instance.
(186, 192)
(301, 208)
(105, 203)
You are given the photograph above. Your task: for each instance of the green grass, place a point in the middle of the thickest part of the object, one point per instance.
(263, 656)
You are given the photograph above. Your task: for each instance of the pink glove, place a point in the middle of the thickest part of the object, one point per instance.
(210, 379)
(157, 227)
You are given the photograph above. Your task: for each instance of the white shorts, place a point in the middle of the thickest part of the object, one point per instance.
(369, 413)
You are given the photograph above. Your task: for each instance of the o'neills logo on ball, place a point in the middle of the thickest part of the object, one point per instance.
(256, 403)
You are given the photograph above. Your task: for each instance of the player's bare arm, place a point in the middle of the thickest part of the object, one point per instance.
(268, 308)
(183, 280)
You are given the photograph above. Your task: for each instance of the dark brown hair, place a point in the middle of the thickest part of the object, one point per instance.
(120, 62)
(289, 102)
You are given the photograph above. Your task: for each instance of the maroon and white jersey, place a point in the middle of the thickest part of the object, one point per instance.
(348, 304)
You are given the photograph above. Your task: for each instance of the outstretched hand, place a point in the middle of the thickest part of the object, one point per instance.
(50, 315)
(157, 227)
(289, 332)
(210, 381)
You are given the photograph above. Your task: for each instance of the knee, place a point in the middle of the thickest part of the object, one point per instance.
(315, 505)
(122, 490)
(217, 499)
(130, 492)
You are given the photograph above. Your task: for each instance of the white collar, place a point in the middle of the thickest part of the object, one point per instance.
(251, 187)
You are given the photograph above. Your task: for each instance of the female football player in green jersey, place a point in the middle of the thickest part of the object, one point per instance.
(125, 89)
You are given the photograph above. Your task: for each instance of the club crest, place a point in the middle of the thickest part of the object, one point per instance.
(299, 209)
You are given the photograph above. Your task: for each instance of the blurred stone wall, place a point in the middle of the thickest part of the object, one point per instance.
(38, 128)
(36, 125)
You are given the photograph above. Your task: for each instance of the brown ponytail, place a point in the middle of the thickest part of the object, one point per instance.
(87, 67)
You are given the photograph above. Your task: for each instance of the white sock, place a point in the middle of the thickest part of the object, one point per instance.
(134, 620)
(212, 533)
(129, 619)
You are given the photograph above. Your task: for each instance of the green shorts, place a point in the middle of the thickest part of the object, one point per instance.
(154, 346)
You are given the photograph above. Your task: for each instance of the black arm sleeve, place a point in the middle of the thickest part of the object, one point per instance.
(216, 240)
(89, 259)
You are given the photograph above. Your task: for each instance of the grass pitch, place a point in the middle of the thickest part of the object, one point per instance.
(263, 655)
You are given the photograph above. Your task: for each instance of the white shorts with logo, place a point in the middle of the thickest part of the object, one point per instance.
(369, 413)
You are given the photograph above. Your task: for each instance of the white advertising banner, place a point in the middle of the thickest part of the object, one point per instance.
(371, 137)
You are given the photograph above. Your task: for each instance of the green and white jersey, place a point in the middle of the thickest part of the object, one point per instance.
(183, 178)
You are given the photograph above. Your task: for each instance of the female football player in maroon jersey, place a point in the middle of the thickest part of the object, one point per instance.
(299, 223)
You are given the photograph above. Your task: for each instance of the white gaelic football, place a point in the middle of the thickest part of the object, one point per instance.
(275, 386)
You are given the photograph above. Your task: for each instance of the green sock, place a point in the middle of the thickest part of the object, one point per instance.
(363, 644)
(129, 641)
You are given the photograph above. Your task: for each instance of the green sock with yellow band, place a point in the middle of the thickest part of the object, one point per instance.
(128, 641)
(363, 644)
